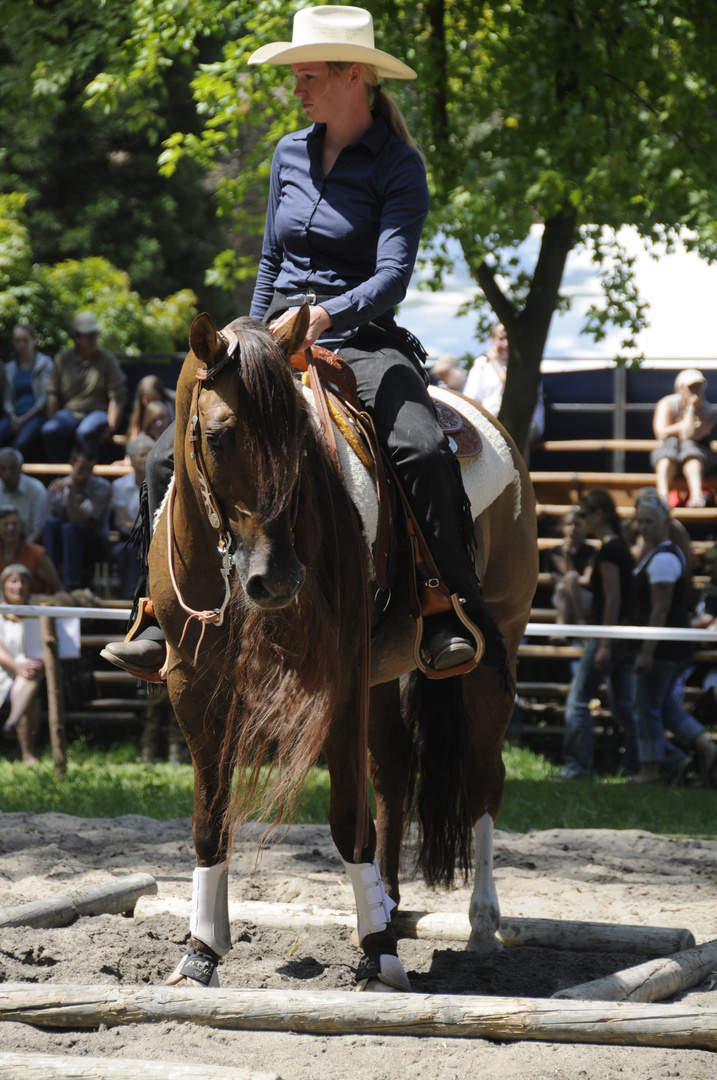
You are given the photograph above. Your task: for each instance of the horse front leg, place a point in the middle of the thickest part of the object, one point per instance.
(379, 968)
(203, 724)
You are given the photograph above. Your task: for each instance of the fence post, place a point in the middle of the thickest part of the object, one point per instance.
(55, 697)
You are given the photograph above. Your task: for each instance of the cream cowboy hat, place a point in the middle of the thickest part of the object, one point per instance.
(333, 32)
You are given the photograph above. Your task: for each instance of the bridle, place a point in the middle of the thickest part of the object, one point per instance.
(215, 515)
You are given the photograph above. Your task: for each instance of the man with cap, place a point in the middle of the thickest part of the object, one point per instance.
(86, 391)
(684, 422)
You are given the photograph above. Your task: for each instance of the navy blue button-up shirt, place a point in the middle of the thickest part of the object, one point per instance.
(353, 232)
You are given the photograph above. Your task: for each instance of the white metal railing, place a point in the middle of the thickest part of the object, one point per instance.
(31, 611)
(567, 630)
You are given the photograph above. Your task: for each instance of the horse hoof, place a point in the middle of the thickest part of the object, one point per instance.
(375, 986)
(382, 973)
(484, 943)
(195, 970)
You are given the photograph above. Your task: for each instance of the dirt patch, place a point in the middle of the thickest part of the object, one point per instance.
(594, 875)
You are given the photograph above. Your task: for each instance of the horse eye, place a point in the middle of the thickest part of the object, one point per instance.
(216, 437)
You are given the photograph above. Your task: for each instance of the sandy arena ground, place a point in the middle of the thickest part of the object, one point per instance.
(594, 875)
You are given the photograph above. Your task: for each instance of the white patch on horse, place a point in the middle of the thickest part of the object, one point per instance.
(158, 512)
(484, 910)
(485, 477)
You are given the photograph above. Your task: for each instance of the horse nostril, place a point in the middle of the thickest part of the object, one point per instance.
(269, 592)
(256, 590)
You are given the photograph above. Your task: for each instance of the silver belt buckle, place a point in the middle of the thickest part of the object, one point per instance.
(310, 298)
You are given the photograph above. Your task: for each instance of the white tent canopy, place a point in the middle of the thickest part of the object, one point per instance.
(681, 290)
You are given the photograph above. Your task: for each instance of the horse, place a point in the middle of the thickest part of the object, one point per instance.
(258, 567)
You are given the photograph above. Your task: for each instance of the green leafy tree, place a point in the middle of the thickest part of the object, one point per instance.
(90, 176)
(580, 118)
(49, 296)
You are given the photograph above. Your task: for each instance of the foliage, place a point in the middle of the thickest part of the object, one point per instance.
(49, 296)
(109, 783)
(578, 118)
(90, 175)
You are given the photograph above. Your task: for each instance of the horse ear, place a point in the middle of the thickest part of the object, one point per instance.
(203, 340)
(291, 335)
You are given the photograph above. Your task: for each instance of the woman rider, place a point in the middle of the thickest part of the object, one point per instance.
(348, 199)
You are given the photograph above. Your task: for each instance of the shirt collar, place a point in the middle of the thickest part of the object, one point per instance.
(374, 138)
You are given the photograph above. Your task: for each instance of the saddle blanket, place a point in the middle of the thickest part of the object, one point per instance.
(485, 477)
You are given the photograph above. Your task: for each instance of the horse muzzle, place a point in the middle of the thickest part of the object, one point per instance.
(269, 583)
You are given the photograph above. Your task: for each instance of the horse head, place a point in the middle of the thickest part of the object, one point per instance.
(243, 445)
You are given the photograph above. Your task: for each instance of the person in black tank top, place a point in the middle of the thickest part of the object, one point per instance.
(603, 658)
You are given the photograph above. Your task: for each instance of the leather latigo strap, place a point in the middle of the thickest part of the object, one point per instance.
(331, 368)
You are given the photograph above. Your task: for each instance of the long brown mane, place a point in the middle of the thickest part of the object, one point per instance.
(289, 668)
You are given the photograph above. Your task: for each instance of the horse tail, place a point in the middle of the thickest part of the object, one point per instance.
(439, 792)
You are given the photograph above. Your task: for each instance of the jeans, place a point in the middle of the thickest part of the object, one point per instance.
(74, 548)
(655, 709)
(62, 429)
(578, 737)
(26, 437)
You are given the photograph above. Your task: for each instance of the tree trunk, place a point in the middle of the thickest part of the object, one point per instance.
(448, 926)
(655, 980)
(528, 328)
(348, 1013)
(109, 898)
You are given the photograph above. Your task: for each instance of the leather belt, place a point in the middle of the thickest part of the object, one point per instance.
(310, 297)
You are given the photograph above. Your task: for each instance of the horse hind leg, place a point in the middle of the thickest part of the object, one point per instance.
(488, 709)
(484, 909)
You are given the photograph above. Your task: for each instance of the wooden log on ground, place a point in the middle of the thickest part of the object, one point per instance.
(345, 1012)
(109, 898)
(55, 695)
(448, 926)
(655, 980)
(52, 1066)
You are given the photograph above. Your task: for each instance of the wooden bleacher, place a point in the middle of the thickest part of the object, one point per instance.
(556, 492)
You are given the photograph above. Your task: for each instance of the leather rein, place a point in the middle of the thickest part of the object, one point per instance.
(225, 540)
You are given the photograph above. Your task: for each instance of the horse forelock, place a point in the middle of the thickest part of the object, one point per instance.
(272, 413)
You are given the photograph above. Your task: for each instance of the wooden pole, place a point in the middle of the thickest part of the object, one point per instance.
(345, 1012)
(655, 980)
(448, 926)
(108, 898)
(55, 697)
(51, 1066)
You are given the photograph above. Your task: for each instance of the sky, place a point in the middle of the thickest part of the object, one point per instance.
(681, 289)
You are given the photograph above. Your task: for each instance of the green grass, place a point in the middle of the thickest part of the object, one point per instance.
(109, 783)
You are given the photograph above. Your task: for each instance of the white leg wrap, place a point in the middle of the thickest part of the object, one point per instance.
(484, 906)
(373, 904)
(209, 920)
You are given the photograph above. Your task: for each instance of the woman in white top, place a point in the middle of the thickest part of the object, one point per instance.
(20, 677)
(486, 383)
